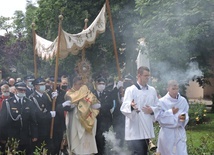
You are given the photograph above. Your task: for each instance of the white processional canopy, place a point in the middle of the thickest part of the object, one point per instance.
(71, 43)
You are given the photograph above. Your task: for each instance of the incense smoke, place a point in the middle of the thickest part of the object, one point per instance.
(182, 76)
(112, 145)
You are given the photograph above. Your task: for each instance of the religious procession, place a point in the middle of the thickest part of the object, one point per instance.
(90, 112)
(83, 118)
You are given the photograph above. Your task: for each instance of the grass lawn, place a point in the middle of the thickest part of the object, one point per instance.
(201, 136)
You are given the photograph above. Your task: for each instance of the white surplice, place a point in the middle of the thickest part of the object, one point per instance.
(80, 142)
(172, 134)
(138, 125)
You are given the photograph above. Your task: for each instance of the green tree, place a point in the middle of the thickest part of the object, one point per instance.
(19, 23)
(101, 53)
(5, 24)
(177, 32)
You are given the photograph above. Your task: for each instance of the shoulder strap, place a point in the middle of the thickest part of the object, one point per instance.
(9, 112)
(37, 104)
(49, 98)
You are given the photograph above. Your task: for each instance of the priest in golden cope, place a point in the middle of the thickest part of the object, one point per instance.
(81, 121)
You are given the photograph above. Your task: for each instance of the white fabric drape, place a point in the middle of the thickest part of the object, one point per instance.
(45, 48)
(72, 43)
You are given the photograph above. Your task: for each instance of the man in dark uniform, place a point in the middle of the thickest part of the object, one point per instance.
(118, 117)
(104, 118)
(18, 119)
(59, 120)
(50, 86)
(28, 81)
(43, 105)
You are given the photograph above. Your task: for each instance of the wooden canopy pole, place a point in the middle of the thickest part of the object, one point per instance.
(56, 72)
(34, 50)
(113, 38)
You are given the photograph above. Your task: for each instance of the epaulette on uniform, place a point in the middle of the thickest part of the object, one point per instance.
(31, 95)
(27, 99)
(8, 99)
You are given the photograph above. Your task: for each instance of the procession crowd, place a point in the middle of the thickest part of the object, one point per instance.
(73, 118)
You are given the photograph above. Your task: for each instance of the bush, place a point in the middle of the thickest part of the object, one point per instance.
(197, 113)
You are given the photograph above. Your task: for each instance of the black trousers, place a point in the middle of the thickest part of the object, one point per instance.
(138, 147)
(100, 140)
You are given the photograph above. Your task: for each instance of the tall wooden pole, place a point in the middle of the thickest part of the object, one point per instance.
(56, 72)
(34, 50)
(113, 38)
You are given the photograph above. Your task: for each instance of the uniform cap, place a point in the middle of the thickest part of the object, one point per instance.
(129, 77)
(51, 78)
(20, 85)
(29, 77)
(38, 81)
(100, 79)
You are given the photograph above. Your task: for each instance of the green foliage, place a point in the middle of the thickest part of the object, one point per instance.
(11, 147)
(205, 147)
(5, 24)
(212, 108)
(18, 23)
(41, 150)
(197, 113)
(176, 32)
(199, 137)
(100, 54)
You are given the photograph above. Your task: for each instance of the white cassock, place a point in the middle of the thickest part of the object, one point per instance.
(138, 125)
(172, 135)
(80, 142)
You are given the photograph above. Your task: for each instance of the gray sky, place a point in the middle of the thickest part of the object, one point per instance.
(8, 7)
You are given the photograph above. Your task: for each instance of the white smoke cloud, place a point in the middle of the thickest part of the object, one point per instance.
(113, 144)
(193, 70)
(166, 73)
